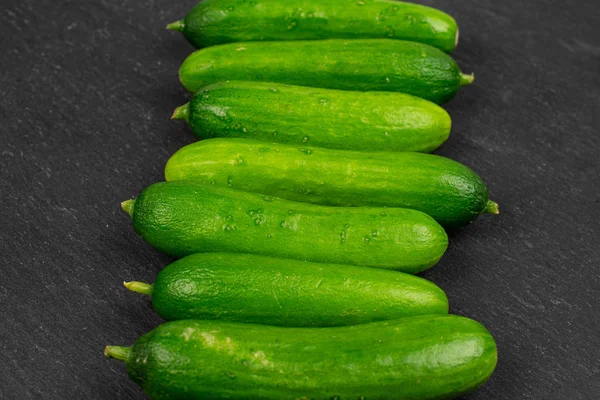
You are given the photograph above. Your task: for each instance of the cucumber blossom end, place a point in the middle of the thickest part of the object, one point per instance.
(139, 287)
(117, 352)
(128, 206)
(178, 26)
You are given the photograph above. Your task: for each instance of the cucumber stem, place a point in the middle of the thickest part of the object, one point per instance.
(127, 206)
(182, 112)
(139, 287)
(492, 208)
(466, 79)
(178, 26)
(118, 352)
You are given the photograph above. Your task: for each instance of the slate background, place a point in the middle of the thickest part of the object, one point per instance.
(86, 91)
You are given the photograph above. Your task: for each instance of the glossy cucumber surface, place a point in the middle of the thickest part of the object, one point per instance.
(275, 291)
(214, 22)
(447, 190)
(416, 358)
(360, 65)
(273, 112)
(187, 217)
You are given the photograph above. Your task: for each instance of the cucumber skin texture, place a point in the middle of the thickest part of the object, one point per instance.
(183, 218)
(214, 22)
(444, 189)
(360, 65)
(369, 121)
(272, 291)
(426, 357)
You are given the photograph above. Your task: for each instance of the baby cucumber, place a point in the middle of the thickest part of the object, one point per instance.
(362, 65)
(370, 121)
(275, 291)
(214, 22)
(416, 358)
(187, 217)
(447, 190)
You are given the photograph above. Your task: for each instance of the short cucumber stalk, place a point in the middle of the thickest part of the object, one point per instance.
(492, 208)
(178, 26)
(182, 112)
(118, 352)
(466, 79)
(127, 206)
(139, 287)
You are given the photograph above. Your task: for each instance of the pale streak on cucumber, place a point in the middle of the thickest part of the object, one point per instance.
(182, 112)
(178, 26)
(492, 208)
(457, 36)
(118, 352)
(127, 206)
(139, 287)
(466, 79)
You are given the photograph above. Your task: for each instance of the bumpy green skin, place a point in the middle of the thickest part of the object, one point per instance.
(182, 218)
(275, 291)
(418, 358)
(225, 21)
(361, 65)
(371, 121)
(448, 191)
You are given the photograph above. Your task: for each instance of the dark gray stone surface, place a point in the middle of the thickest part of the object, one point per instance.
(86, 91)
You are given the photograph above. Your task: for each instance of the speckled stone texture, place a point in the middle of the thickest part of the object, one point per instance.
(86, 92)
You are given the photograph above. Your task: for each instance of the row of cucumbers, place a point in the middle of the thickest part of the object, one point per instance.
(298, 224)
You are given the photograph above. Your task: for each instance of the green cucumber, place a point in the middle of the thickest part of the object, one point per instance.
(275, 291)
(187, 217)
(445, 189)
(417, 358)
(362, 65)
(371, 121)
(215, 22)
